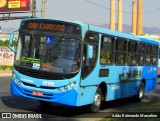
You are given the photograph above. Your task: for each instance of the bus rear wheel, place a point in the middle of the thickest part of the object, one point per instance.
(140, 94)
(95, 107)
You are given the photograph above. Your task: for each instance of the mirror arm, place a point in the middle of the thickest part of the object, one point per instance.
(11, 40)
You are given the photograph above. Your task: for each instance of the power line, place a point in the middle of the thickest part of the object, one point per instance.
(153, 11)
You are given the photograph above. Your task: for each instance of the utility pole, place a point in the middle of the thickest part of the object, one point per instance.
(134, 17)
(139, 17)
(120, 24)
(43, 8)
(33, 8)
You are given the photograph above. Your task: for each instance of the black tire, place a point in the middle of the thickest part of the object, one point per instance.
(44, 103)
(95, 107)
(140, 95)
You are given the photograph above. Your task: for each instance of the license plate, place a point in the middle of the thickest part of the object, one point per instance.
(36, 93)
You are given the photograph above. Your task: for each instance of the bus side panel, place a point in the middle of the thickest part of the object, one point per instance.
(114, 91)
(150, 85)
(134, 88)
(86, 95)
(126, 89)
(150, 75)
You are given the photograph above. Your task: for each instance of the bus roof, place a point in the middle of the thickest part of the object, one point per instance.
(113, 33)
(149, 41)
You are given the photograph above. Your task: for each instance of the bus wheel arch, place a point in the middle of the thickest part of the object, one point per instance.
(144, 82)
(98, 98)
(103, 87)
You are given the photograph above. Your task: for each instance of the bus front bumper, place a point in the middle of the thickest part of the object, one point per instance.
(68, 98)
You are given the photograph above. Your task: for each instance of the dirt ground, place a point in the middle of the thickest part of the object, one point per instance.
(6, 71)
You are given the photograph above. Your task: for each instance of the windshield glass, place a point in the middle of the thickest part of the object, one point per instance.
(48, 53)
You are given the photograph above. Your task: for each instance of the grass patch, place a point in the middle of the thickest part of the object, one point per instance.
(152, 106)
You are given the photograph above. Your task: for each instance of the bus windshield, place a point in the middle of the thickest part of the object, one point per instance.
(48, 53)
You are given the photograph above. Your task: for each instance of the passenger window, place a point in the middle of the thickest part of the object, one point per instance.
(148, 60)
(154, 60)
(154, 55)
(141, 48)
(132, 53)
(155, 50)
(120, 58)
(132, 59)
(106, 54)
(148, 49)
(140, 60)
(132, 46)
(121, 44)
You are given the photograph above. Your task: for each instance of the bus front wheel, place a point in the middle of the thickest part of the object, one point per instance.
(95, 107)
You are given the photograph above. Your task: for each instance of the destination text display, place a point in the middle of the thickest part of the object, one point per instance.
(52, 26)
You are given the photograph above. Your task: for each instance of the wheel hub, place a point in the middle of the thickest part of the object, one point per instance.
(97, 100)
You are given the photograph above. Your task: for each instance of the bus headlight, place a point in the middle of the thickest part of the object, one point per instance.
(65, 88)
(17, 81)
(59, 89)
(72, 85)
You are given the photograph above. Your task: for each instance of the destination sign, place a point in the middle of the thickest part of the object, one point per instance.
(46, 26)
(49, 25)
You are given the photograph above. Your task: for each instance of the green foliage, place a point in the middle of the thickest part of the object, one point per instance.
(4, 67)
(10, 67)
(6, 43)
(15, 43)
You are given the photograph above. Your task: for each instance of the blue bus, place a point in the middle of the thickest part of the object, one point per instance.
(76, 64)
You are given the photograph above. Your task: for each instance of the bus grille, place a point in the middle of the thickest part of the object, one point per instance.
(38, 74)
(42, 87)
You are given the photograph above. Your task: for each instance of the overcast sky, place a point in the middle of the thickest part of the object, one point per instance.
(94, 11)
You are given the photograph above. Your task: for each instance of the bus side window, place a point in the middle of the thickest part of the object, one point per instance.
(120, 58)
(141, 54)
(121, 48)
(132, 53)
(106, 54)
(148, 55)
(154, 55)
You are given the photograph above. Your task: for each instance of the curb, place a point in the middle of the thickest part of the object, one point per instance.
(5, 74)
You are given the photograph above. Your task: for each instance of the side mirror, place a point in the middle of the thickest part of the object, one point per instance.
(89, 51)
(11, 40)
